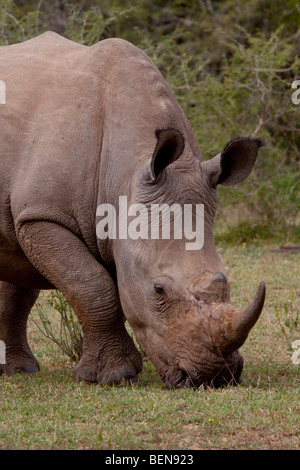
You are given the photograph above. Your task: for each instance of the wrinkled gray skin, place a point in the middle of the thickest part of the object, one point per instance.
(81, 126)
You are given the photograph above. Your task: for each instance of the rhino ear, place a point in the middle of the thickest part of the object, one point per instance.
(169, 147)
(234, 164)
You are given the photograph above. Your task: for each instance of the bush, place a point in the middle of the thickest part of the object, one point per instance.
(67, 334)
(288, 318)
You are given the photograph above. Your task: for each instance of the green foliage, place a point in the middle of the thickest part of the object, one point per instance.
(16, 25)
(90, 26)
(288, 317)
(67, 334)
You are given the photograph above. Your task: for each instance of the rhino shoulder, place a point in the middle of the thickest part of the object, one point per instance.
(133, 62)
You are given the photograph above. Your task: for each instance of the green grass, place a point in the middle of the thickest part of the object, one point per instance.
(50, 411)
(258, 233)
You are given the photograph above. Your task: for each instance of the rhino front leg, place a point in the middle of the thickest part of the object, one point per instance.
(15, 305)
(109, 354)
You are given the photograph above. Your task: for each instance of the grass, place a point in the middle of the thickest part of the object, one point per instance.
(50, 411)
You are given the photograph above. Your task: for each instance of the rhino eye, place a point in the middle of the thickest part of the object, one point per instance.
(159, 289)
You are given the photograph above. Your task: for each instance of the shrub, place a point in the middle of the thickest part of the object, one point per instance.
(67, 334)
(288, 317)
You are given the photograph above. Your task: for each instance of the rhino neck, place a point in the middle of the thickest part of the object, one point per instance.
(183, 184)
(136, 102)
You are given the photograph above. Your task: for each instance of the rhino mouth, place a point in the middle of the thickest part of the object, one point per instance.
(180, 379)
(227, 375)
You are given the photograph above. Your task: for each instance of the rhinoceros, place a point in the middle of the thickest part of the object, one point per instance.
(81, 126)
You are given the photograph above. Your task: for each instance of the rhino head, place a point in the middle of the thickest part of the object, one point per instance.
(177, 301)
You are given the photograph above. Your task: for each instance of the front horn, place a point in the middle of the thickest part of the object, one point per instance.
(244, 320)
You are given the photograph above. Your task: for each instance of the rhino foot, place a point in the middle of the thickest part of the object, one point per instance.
(27, 366)
(121, 365)
(125, 372)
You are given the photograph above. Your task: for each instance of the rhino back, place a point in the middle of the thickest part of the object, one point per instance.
(77, 123)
